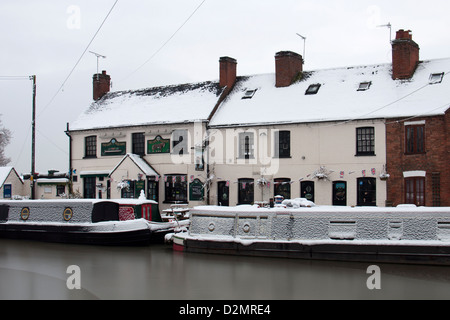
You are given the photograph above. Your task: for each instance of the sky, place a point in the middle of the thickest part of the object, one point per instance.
(145, 47)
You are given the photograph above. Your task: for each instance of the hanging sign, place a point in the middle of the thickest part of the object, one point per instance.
(159, 145)
(114, 148)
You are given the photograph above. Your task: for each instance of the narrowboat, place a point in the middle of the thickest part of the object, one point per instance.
(92, 222)
(404, 235)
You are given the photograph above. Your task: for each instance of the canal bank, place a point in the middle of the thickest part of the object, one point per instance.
(31, 270)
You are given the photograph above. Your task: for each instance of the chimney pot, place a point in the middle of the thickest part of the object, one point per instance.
(288, 65)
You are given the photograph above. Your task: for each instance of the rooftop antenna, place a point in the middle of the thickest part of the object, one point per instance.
(389, 25)
(98, 57)
(304, 46)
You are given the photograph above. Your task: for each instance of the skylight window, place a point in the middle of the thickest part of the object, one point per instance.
(436, 78)
(249, 94)
(313, 89)
(364, 86)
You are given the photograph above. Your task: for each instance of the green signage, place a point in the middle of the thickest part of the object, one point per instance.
(159, 145)
(196, 190)
(114, 148)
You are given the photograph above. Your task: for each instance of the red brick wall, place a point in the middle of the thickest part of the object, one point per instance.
(101, 85)
(436, 159)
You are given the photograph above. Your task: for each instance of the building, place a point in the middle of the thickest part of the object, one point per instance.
(335, 136)
(12, 185)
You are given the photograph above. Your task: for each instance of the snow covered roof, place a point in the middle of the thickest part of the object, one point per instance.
(4, 174)
(160, 105)
(353, 93)
(140, 163)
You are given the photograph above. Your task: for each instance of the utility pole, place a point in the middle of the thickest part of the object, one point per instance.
(33, 142)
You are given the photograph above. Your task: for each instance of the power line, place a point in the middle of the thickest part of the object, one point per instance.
(79, 60)
(165, 43)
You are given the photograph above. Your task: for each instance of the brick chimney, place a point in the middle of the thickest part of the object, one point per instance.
(405, 56)
(228, 72)
(288, 65)
(101, 85)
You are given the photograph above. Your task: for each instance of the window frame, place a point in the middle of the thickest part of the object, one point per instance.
(313, 89)
(412, 143)
(282, 139)
(363, 136)
(176, 192)
(246, 195)
(90, 147)
(415, 190)
(138, 143)
(246, 145)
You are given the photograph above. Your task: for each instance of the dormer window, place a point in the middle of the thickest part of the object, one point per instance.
(436, 78)
(313, 89)
(364, 86)
(249, 94)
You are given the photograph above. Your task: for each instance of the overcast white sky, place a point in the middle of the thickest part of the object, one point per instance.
(47, 37)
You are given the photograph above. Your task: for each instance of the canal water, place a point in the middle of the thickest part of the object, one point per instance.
(31, 270)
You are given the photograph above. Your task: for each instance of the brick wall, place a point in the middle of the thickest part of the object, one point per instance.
(435, 161)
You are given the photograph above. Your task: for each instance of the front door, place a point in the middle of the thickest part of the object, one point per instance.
(223, 194)
(340, 193)
(307, 190)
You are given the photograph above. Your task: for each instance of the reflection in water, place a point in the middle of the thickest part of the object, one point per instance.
(38, 271)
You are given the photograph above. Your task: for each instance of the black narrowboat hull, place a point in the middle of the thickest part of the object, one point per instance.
(84, 235)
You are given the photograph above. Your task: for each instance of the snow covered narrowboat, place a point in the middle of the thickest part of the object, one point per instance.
(94, 222)
(407, 234)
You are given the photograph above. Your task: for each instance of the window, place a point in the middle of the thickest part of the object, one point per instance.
(415, 191)
(365, 141)
(249, 94)
(364, 86)
(246, 145)
(138, 144)
(367, 192)
(282, 187)
(283, 144)
(128, 193)
(246, 191)
(90, 147)
(340, 193)
(436, 78)
(180, 142)
(60, 190)
(7, 191)
(436, 181)
(176, 188)
(415, 139)
(313, 89)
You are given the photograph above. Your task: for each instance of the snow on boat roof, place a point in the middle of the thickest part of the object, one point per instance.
(160, 105)
(339, 98)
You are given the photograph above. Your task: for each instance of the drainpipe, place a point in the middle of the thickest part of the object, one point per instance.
(70, 160)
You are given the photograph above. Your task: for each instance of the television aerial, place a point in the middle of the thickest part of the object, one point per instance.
(98, 58)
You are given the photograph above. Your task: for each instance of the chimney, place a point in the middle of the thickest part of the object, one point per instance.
(288, 65)
(228, 69)
(405, 56)
(101, 85)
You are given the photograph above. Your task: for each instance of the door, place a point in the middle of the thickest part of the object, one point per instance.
(339, 193)
(307, 190)
(367, 192)
(152, 189)
(223, 194)
(89, 187)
